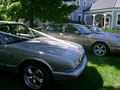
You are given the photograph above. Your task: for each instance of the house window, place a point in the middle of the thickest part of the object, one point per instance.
(78, 2)
(79, 18)
(118, 20)
(85, 3)
(70, 17)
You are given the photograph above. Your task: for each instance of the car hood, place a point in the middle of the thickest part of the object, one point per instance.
(112, 34)
(44, 45)
(105, 37)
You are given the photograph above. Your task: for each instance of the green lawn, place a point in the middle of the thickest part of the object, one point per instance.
(109, 69)
(102, 73)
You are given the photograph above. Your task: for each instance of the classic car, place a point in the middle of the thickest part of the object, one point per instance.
(99, 44)
(38, 57)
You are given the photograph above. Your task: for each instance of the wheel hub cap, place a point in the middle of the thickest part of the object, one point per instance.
(100, 50)
(33, 77)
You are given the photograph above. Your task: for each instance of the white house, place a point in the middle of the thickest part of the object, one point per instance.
(107, 12)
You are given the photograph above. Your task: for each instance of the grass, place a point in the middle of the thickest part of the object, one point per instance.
(102, 73)
(109, 69)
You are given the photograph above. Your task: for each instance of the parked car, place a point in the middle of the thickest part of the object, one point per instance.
(100, 44)
(99, 30)
(38, 57)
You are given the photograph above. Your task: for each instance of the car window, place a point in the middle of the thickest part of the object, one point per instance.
(83, 29)
(71, 29)
(9, 38)
(4, 28)
(16, 29)
(55, 28)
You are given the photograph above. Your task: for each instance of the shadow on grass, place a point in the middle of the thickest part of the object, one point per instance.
(112, 59)
(90, 79)
(109, 88)
(10, 81)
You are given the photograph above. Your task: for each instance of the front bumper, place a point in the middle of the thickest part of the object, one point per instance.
(72, 74)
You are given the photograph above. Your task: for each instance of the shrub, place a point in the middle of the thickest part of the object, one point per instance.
(111, 30)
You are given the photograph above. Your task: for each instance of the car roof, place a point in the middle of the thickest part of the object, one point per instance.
(8, 22)
(65, 24)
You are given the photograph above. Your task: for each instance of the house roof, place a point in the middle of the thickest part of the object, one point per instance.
(105, 4)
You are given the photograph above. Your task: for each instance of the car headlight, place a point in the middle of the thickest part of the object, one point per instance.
(79, 61)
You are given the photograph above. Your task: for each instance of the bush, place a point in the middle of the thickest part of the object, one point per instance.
(111, 30)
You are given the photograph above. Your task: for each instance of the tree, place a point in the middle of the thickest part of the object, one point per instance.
(51, 10)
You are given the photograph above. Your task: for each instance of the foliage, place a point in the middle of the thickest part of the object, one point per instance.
(51, 10)
(111, 30)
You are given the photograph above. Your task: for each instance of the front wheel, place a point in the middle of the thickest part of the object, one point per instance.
(100, 49)
(36, 76)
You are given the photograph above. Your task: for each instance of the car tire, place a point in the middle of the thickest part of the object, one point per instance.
(36, 76)
(100, 49)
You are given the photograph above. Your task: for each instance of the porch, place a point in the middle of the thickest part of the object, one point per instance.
(105, 19)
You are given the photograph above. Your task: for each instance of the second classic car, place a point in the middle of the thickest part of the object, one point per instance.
(100, 44)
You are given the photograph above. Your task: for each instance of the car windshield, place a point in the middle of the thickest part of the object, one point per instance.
(83, 29)
(14, 33)
(95, 29)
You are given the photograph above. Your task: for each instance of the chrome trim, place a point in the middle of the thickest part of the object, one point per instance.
(1, 64)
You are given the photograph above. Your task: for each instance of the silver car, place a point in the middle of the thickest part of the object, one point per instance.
(100, 44)
(38, 57)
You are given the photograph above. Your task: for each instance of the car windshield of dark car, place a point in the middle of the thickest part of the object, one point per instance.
(83, 29)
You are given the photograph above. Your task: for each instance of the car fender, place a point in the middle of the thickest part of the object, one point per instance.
(37, 60)
(97, 41)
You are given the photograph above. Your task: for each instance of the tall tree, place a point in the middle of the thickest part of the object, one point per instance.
(51, 10)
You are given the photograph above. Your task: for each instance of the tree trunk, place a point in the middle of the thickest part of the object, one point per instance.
(31, 17)
(31, 21)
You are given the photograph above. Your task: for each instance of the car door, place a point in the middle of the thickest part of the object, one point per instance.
(2, 53)
(72, 34)
(8, 56)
